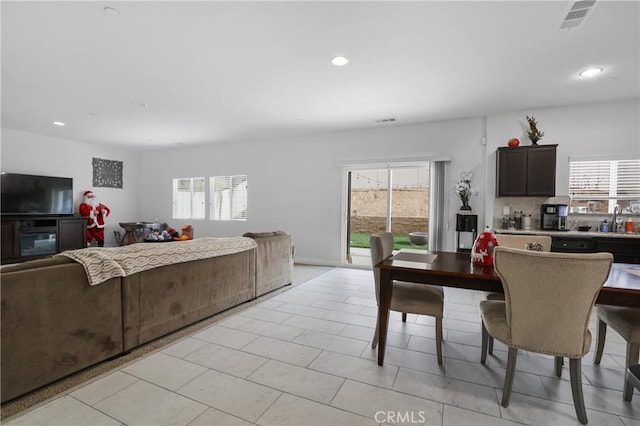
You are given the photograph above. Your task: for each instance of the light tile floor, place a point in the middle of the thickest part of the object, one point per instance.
(303, 357)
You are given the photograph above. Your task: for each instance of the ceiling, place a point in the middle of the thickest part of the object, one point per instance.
(160, 74)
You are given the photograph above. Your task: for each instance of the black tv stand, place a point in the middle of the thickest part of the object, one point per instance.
(27, 237)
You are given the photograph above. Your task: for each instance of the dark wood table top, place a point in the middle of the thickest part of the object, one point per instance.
(456, 270)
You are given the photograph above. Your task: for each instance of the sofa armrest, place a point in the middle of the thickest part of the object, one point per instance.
(274, 260)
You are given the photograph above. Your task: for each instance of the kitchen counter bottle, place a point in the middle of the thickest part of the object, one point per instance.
(629, 226)
(604, 226)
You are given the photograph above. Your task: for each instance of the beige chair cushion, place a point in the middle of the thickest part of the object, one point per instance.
(417, 299)
(407, 297)
(520, 241)
(548, 299)
(494, 296)
(626, 321)
(494, 314)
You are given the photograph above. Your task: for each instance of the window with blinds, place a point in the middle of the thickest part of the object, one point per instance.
(597, 186)
(228, 198)
(188, 198)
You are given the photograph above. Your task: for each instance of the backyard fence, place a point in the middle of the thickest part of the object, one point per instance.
(399, 225)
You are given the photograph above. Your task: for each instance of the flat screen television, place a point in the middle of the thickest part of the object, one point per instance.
(32, 195)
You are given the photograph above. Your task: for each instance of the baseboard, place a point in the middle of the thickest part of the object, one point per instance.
(316, 261)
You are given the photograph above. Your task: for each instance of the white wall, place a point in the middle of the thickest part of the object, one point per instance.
(296, 183)
(595, 130)
(41, 155)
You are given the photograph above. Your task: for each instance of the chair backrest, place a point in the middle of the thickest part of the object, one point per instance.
(549, 297)
(519, 241)
(381, 248)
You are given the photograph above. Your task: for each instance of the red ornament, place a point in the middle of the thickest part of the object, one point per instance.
(513, 142)
(482, 251)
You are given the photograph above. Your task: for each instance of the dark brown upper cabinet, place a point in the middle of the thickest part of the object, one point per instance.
(526, 171)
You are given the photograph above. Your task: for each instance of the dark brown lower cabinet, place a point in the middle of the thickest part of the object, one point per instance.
(27, 238)
(72, 234)
(624, 250)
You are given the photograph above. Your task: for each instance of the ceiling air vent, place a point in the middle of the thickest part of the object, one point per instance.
(577, 14)
(386, 120)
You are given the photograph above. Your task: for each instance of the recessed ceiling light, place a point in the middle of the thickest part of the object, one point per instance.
(590, 72)
(110, 11)
(59, 123)
(339, 61)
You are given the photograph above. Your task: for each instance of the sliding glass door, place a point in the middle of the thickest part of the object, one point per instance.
(372, 208)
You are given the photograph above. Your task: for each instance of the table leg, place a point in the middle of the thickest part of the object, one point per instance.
(384, 303)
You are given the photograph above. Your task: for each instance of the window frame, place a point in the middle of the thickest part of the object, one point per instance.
(192, 199)
(234, 206)
(617, 182)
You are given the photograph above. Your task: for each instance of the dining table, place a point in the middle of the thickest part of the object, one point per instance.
(448, 269)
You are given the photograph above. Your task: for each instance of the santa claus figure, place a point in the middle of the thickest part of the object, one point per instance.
(95, 213)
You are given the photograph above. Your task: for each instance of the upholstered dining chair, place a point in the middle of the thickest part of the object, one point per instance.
(548, 301)
(626, 321)
(407, 297)
(517, 242)
(633, 379)
(520, 241)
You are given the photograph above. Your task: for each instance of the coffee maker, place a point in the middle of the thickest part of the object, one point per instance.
(553, 217)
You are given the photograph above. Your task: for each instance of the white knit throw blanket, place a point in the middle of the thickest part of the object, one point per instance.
(104, 263)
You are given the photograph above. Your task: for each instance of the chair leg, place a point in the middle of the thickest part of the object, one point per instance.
(508, 378)
(376, 334)
(632, 380)
(485, 338)
(559, 363)
(490, 345)
(575, 370)
(633, 352)
(600, 335)
(404, 317)
(439, 339)
(628, 391)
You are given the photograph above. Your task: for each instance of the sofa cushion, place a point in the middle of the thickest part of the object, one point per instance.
(54, 323)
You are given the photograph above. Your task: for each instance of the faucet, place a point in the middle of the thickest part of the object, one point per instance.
(614, 220)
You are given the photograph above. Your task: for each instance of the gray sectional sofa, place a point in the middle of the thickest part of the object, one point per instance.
(54, 323)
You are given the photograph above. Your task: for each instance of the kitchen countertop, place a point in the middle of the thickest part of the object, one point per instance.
(570, 234)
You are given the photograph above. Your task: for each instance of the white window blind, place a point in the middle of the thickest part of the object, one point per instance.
(188, 198)
(229, 198)
(607, 182)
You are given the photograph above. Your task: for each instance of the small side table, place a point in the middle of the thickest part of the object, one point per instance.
(130, 236)
(466, 232)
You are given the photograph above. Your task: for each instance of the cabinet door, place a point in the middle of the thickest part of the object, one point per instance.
(72, 234)
(624, 250)
(10, 248)
(512, 172)
(541, 171)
